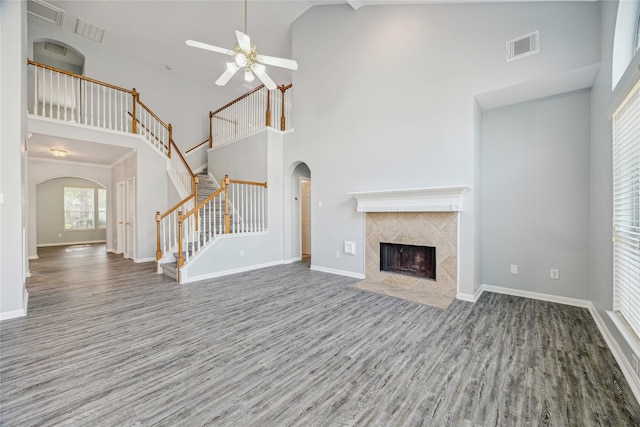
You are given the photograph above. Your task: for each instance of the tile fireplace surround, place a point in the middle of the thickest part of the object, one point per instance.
(424, 217)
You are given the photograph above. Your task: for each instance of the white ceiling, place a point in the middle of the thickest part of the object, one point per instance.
(39, 146)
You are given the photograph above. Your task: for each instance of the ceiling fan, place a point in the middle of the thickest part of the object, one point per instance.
(246, 56)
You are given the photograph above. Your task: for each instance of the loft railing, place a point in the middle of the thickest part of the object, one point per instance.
(211, 218)
(60, 95)
(250, 113)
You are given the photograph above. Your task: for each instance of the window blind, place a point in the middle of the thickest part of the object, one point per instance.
(626, 209)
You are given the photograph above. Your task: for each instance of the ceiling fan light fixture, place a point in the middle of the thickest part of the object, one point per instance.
(248, 75)
(241, 59)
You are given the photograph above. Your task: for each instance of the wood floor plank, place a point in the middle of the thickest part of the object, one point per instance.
(108, 342)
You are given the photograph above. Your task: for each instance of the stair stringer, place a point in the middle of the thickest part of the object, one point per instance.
(175, 180)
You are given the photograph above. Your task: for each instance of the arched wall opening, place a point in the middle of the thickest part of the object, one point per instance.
(57, 226)
(59, 55)
(298, 221)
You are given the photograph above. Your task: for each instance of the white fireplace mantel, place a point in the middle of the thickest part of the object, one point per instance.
(432, 199)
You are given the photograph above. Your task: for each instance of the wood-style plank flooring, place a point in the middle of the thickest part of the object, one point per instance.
(107, 342)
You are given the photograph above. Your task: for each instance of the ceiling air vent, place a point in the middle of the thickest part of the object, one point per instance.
(89, 30)
(45, 12)
(526, 45)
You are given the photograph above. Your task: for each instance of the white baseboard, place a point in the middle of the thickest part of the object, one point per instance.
(338, 272)
(85, 242)
(186, 279)
(470, 297)
(625, 366)
(12, 314)
(149, 259)
(34, 257)
(292, 260)
(535, 295)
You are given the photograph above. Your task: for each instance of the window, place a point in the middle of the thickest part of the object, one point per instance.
(637, 44)
(80, 210)
(102, 208)
(626, 210)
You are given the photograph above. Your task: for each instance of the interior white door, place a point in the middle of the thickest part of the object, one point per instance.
(130, 218)
(305, 216)
(121, 235)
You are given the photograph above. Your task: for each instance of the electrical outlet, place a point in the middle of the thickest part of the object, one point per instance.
(634, 362)
(554, 273)
(242, 253)
(514, 269)
(337, 254)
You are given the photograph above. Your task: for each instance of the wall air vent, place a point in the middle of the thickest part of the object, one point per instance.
(89, 30)
(526, 45)
(55, 48)
(45, 12)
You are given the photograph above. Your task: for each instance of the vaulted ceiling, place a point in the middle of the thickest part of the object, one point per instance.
(154, 31)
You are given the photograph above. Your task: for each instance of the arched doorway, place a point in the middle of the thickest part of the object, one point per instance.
(69, 211)
(298, 225)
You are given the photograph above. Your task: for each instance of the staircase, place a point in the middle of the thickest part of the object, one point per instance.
(206, 187)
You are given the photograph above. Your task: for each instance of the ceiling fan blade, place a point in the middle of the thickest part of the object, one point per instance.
(244, 41)
(212, 48)
(259, 70)
(277, 62)
(232, 68)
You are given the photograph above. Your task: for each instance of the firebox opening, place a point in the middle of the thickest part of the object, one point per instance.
(410, 260)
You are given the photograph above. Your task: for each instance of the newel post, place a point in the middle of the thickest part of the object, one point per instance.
(283, 123)
(210, 129)
(194, 191)
(158, 248)
(180, 261)
(268, 108)
(134, 120)
(170, 139)
(227, 218)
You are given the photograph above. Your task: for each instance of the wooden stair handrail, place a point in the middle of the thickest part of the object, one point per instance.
(150, 133)
(182, 158)
(78, 76)
(195, 147)
(175, 207)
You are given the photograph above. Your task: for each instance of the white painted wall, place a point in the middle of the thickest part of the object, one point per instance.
(535, 162)
(13, 209)
(385, 100)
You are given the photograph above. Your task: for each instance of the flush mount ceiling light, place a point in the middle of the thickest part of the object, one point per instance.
(58, 152)
(246, 56)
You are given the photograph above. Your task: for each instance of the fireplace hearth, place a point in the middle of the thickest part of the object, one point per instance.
(410, 260)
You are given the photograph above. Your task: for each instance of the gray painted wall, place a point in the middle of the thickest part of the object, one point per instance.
(400, 112)
(244, 160)
(50, 213)
(264, 249)
(13, 168)
(148, 166)
(535, 195)
(175, 100)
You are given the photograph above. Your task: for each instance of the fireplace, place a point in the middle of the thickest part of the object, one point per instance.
(410, 260)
